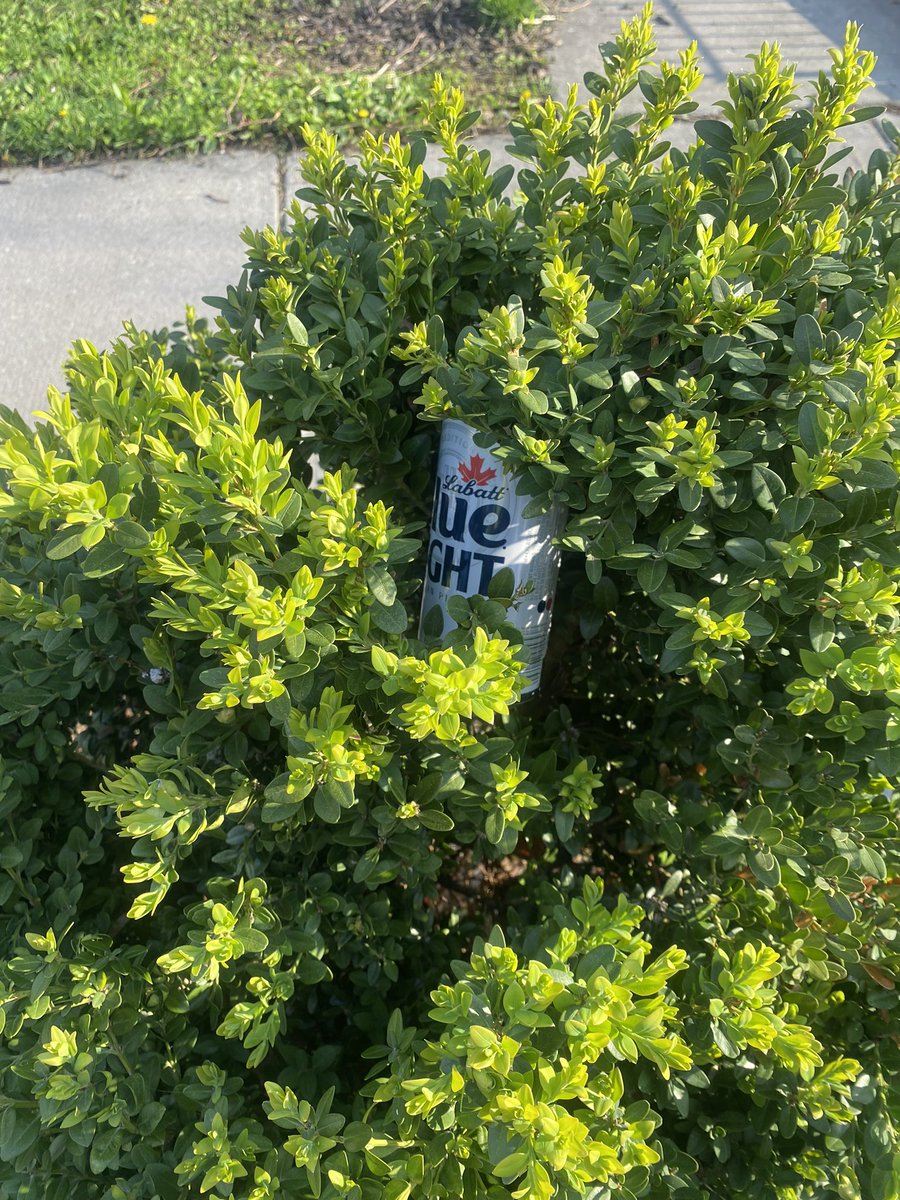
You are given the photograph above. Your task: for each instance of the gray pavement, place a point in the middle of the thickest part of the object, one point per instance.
(726, 31)
(83, 249)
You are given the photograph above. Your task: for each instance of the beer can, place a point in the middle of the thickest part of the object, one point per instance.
(478, 529)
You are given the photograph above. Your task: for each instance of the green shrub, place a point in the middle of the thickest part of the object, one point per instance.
(295, 906)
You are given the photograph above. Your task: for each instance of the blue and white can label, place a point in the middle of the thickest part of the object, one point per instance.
(477, 529)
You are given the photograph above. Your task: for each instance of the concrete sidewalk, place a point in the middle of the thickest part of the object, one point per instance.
(83, 249)
(726, 31)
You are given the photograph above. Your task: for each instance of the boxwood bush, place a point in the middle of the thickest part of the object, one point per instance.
(294, 905)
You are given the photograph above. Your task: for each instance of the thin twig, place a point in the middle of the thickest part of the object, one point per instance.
(231, 107)
(426, 62)
(392, 66)
(240, 127)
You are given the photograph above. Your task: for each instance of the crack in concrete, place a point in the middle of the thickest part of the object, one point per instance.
(281, 169)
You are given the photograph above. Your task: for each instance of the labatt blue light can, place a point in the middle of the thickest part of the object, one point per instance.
(477, 529)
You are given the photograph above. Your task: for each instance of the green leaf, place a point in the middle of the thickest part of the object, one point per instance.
(722, 1041)
(690, 495)
(512, 1165)
(357, 1136)
(808, 338)
(765, 867)
(381, 584)
(503, 584)
(66, 543)
(840, 906)
(105, 1150)
(820, 198)
(768, 488)
(533, 401)
(92, 534)
(746, 361)
(433, 624)
(747, 551)
(757, 191)
(433, 818)
(821, 632)
(795, 512)
(758, 819)
(389, 618)
(330, 798)
(874, 474)
(297, 330)
(631, 384)
(397, 1189)
(494, 826)
(715, 133)
(18, 1133)
(279, 707)
(145, 505)
(104, 560)
(866, 112)
(652, 576)
(598, 378)
(812, 435)
(131, 535)
(715, 346)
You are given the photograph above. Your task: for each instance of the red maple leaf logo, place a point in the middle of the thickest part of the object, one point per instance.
(474, 471)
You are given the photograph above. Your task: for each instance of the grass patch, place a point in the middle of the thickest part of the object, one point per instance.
(82, 79)
(510, 14)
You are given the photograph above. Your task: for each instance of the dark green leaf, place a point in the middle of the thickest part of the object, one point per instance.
(768, 488)
(715, 133)
(130, 535)
(391, 619)
(433, 818)
(746, 550)
(811, 433)
(765, 867)
(821, 632)
(715, 345)
(808, 339)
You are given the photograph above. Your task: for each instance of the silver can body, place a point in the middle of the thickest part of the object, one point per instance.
(477, 529)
